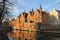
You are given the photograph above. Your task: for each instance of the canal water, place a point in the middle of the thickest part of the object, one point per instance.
(31, 35)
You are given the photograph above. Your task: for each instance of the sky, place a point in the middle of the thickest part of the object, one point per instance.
(27, 5)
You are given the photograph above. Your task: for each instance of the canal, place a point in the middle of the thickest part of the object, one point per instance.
(34, 35)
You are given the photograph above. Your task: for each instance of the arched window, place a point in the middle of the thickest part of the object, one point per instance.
(42, 27)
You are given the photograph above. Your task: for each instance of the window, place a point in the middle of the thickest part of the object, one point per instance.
(42, 27)
(31, 21)
(26, 39)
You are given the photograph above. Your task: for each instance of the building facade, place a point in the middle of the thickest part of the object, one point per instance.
(25, 22)
(54, 17)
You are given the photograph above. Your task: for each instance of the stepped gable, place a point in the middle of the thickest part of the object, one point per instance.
(24, 14)
(38, 10)
(19, 15)
(31, 13)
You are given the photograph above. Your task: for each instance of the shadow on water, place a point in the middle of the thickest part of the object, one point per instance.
(47, 36)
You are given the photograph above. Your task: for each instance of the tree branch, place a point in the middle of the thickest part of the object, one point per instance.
(2, 11)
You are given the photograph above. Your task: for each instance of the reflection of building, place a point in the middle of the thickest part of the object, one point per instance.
(54, 16)
(26, 21)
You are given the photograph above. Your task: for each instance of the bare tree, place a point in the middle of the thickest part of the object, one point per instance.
(4, 9)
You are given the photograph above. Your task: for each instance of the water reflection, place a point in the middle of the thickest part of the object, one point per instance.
(27, 35)
(32, 35)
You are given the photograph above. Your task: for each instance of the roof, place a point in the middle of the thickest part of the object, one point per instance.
(58, 11)
(44, 12)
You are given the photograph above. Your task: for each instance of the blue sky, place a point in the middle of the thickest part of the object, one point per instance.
(27, 5)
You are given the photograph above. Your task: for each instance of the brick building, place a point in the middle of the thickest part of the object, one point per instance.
(25, 22)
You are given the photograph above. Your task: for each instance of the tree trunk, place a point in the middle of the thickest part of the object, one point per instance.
(2, 12)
